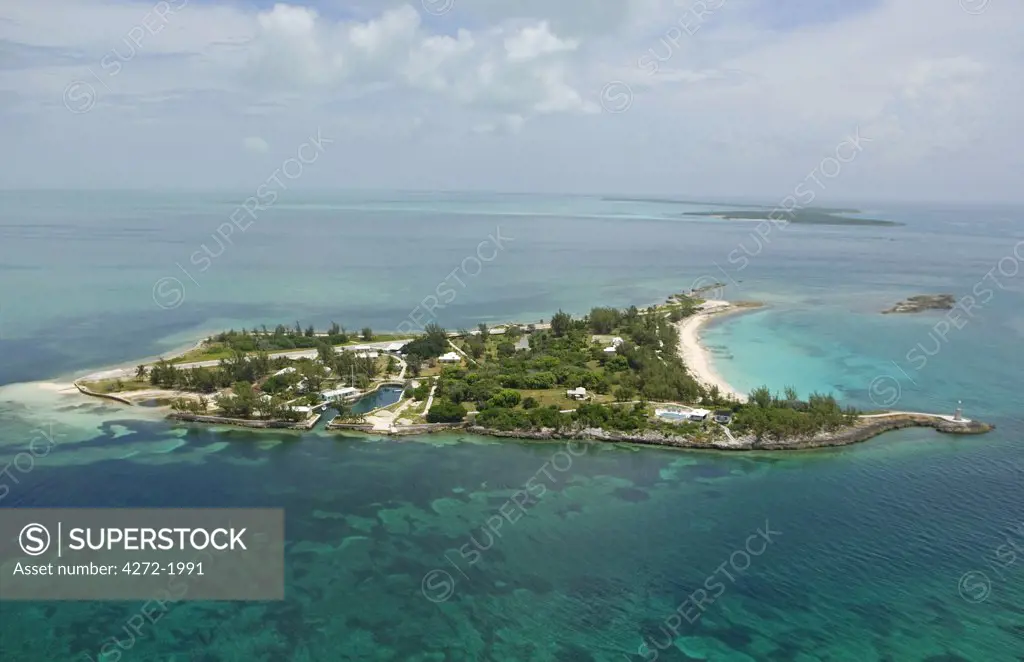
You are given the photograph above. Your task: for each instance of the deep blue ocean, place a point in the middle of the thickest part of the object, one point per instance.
(908, 547)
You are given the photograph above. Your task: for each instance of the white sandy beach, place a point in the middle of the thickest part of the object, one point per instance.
(694, 354)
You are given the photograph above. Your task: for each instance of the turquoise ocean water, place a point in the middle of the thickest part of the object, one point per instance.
(882, 551)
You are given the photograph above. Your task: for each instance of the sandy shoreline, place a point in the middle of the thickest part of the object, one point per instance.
(695, 356)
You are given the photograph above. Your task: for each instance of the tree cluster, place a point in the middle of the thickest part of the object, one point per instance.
(774, 416)
(430, 345)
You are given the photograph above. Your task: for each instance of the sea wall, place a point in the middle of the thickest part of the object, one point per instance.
(396, 430)
(351, 427)
(107, 396)
(425, 428)
(245, 423)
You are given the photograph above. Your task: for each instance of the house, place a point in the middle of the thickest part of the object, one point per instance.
(450, 357)
(367, 354)
(308, 411)
(698, 415)
(396, 346)
(723, 416)
(344, 394)
(577, 393)
(284, 371)
(616, 341)
(611, 350)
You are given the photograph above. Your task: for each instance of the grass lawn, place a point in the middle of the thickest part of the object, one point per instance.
(118, 385)
(382, 367)
(546, 397)
(212, 352)
(429, 371)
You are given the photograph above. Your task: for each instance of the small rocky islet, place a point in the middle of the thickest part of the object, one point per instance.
(921, 303)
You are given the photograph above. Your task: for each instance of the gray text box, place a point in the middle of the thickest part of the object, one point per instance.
(167, 555)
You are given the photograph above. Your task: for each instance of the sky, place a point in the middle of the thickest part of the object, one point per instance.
(913, 100)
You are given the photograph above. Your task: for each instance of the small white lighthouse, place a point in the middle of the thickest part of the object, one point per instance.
(958, 415)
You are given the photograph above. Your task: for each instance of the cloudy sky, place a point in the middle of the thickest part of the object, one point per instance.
(713, 98)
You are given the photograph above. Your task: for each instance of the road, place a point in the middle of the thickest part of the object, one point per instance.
(430, 398)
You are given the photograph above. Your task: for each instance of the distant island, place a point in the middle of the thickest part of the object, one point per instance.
(633, 375)
(806, 216)
(753, 212)
(923, 302)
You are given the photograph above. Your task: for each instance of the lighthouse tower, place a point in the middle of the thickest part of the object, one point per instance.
(958, 415)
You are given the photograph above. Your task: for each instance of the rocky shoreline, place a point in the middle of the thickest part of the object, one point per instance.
(244, 422)
(862, 431)
(923, 302)
(865, 429)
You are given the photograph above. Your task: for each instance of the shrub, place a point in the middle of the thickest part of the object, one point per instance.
(446, 411)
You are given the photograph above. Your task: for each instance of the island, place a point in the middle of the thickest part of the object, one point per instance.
(799, 216)
(629, 375)
(923, 302)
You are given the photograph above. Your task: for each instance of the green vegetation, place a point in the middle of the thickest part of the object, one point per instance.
(446, 411)
(923, 302)
(117, 385)
(523, 419)
(526, 389)
(421, 392)
(768, 416)
(261, 387)
(599, 371)
(433, 343)
(280, 339)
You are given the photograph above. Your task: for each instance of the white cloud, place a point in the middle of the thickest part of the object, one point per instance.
(536, 41)
(256, 145)
(747, 105)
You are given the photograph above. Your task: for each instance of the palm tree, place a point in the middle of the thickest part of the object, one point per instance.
(140, 371)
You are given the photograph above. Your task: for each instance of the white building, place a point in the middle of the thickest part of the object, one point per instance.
(699, 414)
(284, 371)
(616, 341)
(577, 393)
(343, 394)
(307, 410)
(450, 357)
(611, 350)
(396, 346)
